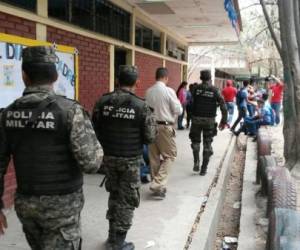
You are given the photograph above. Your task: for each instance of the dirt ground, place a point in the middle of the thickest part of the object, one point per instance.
(229, 224)
(230, 217)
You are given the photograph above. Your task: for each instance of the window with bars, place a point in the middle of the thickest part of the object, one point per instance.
(112, 21)
(83, 13)
(147, 38)
(59, 9)
(176, 51)
(96, 15)
(24, 4)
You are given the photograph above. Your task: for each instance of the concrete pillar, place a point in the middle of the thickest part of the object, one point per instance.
(111, 67)
(132, 27)
(41, 29)
(130, 57)
(42, 8)
(163, 43)
(41, 32)
(184, 69)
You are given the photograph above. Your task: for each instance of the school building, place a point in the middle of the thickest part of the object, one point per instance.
(109, 33)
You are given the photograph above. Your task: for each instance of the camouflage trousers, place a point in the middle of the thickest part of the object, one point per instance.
(202, 127)
(51, 222)
(123, 183)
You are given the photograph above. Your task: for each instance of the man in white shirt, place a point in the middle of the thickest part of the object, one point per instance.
(163, 151)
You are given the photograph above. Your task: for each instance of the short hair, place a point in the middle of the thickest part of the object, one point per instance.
(40, 73)
(260, 101)
(205, 75)
(128, 75)
(245, 83)
(161, 73)
(265, 96)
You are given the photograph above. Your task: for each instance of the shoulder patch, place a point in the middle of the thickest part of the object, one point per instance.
(140, 98)
(66, 98)
(108, 93)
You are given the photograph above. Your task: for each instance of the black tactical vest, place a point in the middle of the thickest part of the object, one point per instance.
(41, 151)
(205, 101)
(120, 129)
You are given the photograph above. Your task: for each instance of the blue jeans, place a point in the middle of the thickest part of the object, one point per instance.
(276, 107)
(251, 125)
(145, 169)
(230, 110)
(251, 109)
(180, 118)
(242, 114)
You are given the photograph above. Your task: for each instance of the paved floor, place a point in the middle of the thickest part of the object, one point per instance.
(163, 224)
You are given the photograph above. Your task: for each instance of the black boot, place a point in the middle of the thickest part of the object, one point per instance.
(237, 133)
(121, 244)
(204, 167)
(196, 161)
(111, 237)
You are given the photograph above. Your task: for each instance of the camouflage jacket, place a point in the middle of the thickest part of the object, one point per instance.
(83, 141)
(148, 118)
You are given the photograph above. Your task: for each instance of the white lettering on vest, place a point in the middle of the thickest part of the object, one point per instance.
(49, 116)
(40, 124)
(9, 114)
(10, 123)
(50, 125)
(108, 108)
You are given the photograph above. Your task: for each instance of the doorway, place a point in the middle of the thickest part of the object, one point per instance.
(120, 59)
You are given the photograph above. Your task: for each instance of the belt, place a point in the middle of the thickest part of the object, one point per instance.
(165, 123)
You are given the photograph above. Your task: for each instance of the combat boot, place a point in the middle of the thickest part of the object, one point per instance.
(111, 237)
(121, 244)
(204, 167)
(196, 161)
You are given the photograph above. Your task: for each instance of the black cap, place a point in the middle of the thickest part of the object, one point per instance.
(205, 75)
(39, 54)
(128, 70)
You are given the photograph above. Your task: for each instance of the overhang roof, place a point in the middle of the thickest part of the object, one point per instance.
(196, 21)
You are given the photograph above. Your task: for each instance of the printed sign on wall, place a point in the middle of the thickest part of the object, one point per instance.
(11, 83)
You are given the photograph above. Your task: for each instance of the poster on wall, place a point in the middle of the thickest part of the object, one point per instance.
(11, 83)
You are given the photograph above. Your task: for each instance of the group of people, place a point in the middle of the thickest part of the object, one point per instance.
(184, 95)
(52, 141)
(253, 105)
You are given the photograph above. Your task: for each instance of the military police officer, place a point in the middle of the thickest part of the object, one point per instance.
(52, 141)
(123, 123)
(206, 99)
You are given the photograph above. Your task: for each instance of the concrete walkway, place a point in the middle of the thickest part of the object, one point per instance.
(163, 225)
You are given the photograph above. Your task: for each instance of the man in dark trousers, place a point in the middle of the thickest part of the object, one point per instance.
(241, 102)
(123, 123)
(206, 99)
(51, 141)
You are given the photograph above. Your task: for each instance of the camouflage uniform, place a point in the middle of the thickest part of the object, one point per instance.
(123, 123)
(123, 183)
(206, 127)
(53, 221)
(123, 173)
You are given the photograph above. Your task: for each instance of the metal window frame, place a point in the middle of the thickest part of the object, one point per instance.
(118, 30)
(22, 6)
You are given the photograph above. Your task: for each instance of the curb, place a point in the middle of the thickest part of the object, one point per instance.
(205, 236)
(247, 236)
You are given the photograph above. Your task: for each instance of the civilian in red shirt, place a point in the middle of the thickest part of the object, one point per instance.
(229, 93)
(277, 91)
